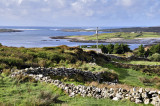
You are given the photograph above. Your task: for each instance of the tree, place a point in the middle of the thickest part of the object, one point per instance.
(155, 49)
(147, 53)
(141, 51)
(110, 48)
(104, 49)
(117, 49)
(126, 48)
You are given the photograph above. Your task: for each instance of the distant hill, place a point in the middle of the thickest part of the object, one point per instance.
(134, 29)
(131, 29)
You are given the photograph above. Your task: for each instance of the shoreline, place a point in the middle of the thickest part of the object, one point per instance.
(148, 41)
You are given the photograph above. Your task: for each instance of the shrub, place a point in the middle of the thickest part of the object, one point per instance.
(7, 71)
(46, 98)
(141, 51)
(51, 48)
(108, 76)
(155, 57)
(11, 61)
(144, 80)
(83, 46)
(21, 79)
(42, 54)
(3, 65)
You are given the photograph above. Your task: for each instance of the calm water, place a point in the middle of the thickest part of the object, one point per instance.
(35, 36)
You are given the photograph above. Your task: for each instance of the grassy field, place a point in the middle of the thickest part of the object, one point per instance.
(130, 76)
(141, 62)
(126, 76)
(125, 35)
(31, 94)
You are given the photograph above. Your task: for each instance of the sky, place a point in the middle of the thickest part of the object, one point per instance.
(80, 13)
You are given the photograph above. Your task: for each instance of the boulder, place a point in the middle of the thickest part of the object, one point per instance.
(146, 101)
(116, 98)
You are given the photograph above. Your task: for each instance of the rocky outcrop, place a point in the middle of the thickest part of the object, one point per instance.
(134, 95)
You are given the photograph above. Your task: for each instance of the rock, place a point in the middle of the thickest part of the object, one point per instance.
(134, 89)
(119, 96)
(140, 90)
(89, 94)
(72, 94)
(144, 95)
(155, 103)
(132, 99)
(138, 101)
(40, 75)
(159, 92)
(137, 96)
(116, 98)
(146, 101)
(152, 92)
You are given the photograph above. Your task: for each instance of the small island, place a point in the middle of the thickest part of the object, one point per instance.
(9, 30)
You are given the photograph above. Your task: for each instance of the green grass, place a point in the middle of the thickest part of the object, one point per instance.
(79, 101)
(143, 62)
(139, 62)
(25, 94)
(92, 67)
(126, 76)
(125, 35)
(129, 76)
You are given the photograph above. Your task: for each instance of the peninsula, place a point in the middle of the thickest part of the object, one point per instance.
(117, 37)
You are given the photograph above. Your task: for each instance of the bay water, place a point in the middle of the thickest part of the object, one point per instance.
(40, 37)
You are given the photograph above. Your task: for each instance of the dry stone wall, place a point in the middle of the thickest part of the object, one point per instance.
(134, 95)
(75, 74)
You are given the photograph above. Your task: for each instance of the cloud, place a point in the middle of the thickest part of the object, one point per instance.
(20, 1)
(126, 2)
(80, 11)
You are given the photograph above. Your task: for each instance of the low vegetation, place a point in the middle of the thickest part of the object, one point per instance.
(141, 62)
(61, 56)
(26, 91)
(124, 35)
